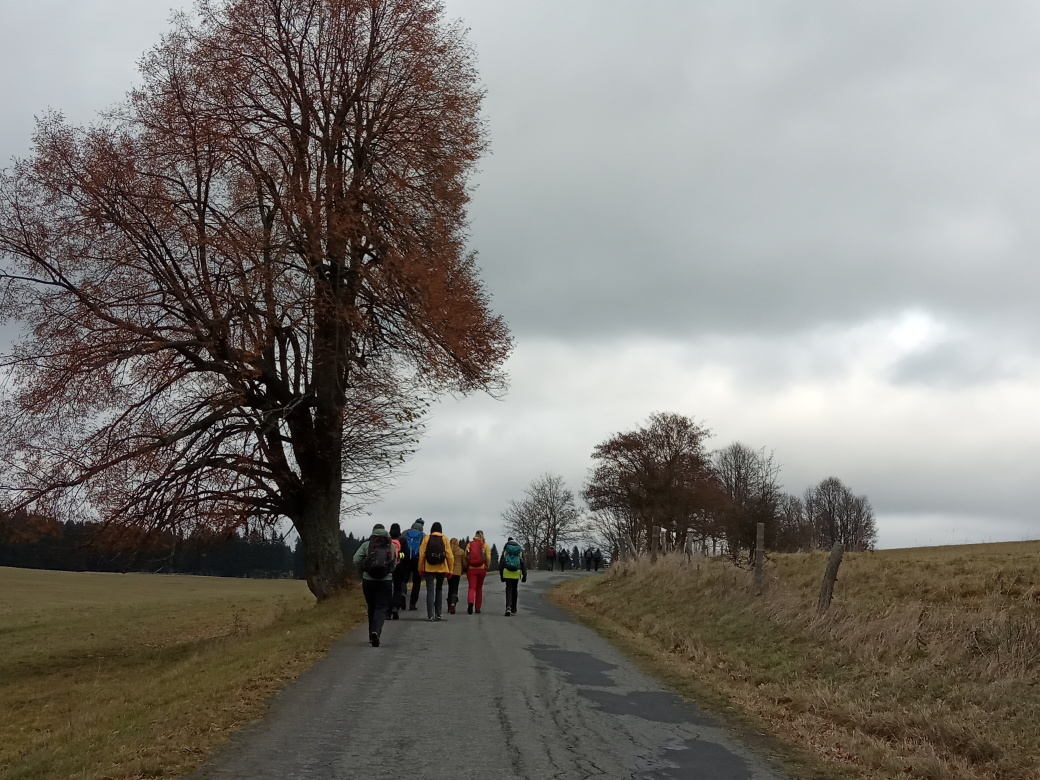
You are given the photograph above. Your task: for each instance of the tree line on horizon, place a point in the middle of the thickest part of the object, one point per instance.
(662, 475)
(32, 541)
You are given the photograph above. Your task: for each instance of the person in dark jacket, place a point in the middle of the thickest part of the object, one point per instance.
(401, 573)
(378, 590)
(413, 538)
(512, 570)
(565, 558)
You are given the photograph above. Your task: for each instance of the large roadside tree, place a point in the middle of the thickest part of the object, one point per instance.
(238, 287)
(657, 475)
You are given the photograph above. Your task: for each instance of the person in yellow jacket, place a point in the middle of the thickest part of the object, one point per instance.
(435, 563)
(478, 560)
(458, 555)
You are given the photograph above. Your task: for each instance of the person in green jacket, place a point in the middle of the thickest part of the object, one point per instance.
(512, 570)
(376, 559)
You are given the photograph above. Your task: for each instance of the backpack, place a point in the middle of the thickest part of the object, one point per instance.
(414, 538)
(512, 557)
(435, 554)
(476, 554)
(550, 553)
(397, 549)
(379, 561)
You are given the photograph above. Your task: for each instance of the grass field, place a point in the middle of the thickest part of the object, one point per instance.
(927, 665)
(137, 675)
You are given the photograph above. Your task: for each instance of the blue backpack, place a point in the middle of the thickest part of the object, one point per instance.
(414, 539)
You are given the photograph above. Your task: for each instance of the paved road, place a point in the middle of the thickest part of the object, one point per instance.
(535, 695)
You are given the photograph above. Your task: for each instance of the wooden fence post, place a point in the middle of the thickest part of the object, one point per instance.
(760, 558)
(655, 542)
(830, 577)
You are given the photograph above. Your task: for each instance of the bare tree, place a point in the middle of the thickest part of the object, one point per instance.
(547, 515)
(238, 288)
(749, 477)
(794, 532)
(836, 514)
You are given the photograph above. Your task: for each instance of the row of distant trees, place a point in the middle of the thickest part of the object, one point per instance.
(34, 541)
(662, 475)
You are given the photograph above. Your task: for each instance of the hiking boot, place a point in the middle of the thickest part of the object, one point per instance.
(395, 615)
(478, 611)
(429, 617)
(374, 639)
(412, 608)
(451, 609)
(469, 609)
(508, 613)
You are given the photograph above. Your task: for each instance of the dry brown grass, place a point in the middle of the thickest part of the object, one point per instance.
(136, 675)
(927, 664)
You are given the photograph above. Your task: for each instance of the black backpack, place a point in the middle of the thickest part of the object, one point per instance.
(381, 558)
(435, 554)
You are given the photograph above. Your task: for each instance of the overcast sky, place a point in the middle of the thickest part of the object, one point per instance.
(811, 226)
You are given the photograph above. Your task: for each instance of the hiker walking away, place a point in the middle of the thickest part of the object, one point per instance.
(458, 556)
(550, 557)
(401, 572)
(597, 559)
(478, 561)
(512, 570)
(565, 558)
(435, 563)
(588, 559)
(376, 559)
(413, 538)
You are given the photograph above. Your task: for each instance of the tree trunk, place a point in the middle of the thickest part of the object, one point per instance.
(318, 526)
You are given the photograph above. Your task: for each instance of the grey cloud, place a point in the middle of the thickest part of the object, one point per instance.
(758, 169)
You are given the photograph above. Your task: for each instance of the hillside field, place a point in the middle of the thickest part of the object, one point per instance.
(141, 675)
(927, 664)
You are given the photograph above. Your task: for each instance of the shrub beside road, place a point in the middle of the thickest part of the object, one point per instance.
(139, 675)
(925, 666)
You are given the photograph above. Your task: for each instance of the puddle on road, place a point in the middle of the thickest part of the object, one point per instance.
(696, 758)
(580, 668)
(658, 706)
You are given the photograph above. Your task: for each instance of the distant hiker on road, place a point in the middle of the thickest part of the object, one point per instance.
(565, 558)
(597, 558)
(435, 563)
(512, 569)
(550, 557)
(478, 561)
(376, 560)
(458, 556)
(588, 559)
(401, 572)
(413, 537)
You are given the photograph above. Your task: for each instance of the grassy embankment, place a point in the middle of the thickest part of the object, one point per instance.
(137, 675)
(927, 664)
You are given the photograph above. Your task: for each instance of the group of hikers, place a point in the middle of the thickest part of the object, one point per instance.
(390, 560)
(592, 558)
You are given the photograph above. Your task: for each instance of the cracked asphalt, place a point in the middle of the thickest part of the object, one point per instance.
(535, 695)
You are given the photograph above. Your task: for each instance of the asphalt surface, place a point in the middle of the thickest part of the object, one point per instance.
(535, 695)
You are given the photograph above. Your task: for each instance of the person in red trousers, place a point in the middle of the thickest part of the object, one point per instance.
(478, 560)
